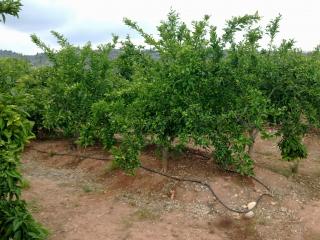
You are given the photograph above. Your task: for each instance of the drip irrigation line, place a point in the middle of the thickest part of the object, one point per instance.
(203, 155)
(210, 189)
(179, 179)
(253, 177)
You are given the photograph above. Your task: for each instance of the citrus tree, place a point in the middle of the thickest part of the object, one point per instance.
(192, 86)
(34, 89)
(15, 131)
(202, 88)
(292, 83)
(108, 115)
(12, 70)
(220, 92)
(78, 77)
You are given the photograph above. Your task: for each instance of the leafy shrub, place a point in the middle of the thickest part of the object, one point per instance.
(12, 70)
(214, 91)
(78, 78)
(195, 92)
(292, 83)
(17, 223)
(15, 130)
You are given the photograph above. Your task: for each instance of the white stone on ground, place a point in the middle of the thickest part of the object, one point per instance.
(251, 205)
(249, 214)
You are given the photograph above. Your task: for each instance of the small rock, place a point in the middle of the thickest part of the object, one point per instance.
(244, 206)
(173, 193)
(273, 203)
(249, 214)
(251, 205)
(236, 216)
(283, 209)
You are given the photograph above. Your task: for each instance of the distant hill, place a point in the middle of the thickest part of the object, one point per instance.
(40, 59)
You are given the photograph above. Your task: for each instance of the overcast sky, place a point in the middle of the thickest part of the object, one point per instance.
(95, 20)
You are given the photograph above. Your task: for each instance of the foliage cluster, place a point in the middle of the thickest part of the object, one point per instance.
(10, 7)
(16, 222)
(15, 131)
(192, 86)
(215, 91)
(77, 78)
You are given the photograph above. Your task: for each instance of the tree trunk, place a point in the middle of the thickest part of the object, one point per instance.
(295, 166)
(253, 135)
(165, 153)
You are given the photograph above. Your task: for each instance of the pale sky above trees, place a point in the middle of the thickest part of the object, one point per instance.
(95, 20)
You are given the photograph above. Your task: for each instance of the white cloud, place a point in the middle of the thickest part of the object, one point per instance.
(39, 15)
(95, 20)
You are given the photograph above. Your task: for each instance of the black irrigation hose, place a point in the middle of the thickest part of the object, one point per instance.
(231, 171)
(210, 189)
(253, 177)
(177, 179)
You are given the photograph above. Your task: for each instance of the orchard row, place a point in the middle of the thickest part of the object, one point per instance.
(188, 85)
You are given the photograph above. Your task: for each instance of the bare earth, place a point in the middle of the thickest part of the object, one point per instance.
(84, 199)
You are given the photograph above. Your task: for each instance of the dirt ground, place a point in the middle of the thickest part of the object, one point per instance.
(85, 199)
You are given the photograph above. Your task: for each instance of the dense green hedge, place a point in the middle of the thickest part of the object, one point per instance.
(15, 131)
(216, 91)
(192, 85)
(212, 90)
(16, 223)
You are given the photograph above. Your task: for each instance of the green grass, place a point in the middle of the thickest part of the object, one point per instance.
(144, 214)
(25, 184)
(87, 188)
(110, 167)
(34, 206)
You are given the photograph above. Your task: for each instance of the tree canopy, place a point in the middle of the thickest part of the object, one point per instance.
(9, 7)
